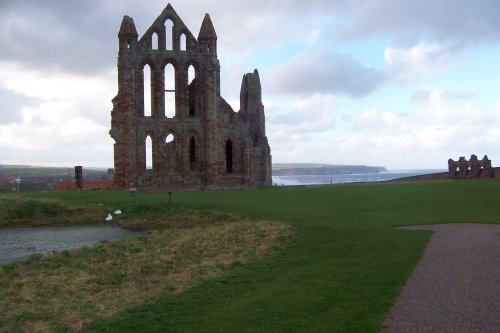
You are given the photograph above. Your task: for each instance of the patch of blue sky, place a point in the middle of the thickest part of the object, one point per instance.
(268, 58)
(479, 74)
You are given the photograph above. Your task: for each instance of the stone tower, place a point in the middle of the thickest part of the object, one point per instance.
(197, 140)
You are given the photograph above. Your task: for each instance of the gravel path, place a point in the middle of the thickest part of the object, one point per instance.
(456, 285)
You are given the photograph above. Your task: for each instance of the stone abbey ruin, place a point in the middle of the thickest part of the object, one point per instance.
(169, 98)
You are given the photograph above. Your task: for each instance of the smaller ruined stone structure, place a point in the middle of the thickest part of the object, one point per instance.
(473, 168)
(196, 139)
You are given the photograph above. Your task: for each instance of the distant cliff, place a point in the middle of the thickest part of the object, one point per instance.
(323, 169)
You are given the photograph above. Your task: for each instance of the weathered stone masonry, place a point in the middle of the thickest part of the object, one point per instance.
(201, 144)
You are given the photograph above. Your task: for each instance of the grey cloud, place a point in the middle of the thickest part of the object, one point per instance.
(11, 106)
(80, 36)
(325, 72)
(73, 36)
(454, 21)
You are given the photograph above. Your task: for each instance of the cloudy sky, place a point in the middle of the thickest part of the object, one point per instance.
(400, 83)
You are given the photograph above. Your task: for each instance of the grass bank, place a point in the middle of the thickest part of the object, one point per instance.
(341, 273)
(18, 211)
(63, 291)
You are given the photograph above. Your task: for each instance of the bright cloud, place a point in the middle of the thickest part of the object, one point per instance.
(439, 130)
(422, 58)
(314, 114)
(56, 117)
(437, 95)
(325, 72)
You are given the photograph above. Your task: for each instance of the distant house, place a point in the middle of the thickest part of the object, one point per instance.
(35, 186)
(87, 185)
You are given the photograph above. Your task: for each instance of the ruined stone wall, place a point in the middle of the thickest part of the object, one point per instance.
(213, 146)
(472, 168)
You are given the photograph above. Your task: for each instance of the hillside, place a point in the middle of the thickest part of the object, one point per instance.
(41, 171)
(340, 270)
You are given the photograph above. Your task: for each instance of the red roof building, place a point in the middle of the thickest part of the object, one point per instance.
(87, 185)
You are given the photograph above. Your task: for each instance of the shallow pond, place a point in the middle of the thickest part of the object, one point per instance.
(18, 243)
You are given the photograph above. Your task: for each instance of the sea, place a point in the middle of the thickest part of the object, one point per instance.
(293, 180)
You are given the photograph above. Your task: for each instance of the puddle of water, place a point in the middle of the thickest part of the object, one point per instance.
(18, 243)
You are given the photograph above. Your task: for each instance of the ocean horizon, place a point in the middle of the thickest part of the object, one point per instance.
(295, 180)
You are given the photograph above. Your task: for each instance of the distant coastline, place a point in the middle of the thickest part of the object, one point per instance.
(298, 169)
(390, 175)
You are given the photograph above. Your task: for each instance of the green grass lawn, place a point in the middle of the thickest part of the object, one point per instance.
(340, 272)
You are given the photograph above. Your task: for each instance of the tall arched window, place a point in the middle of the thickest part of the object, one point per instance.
(169, 40)
(229, 156)
(154, 41)
(191, 74)
(147, 90)
(168, 158)
(149, 153)
(169, 91)
(182, 40)
(192, 89)
(192, 154)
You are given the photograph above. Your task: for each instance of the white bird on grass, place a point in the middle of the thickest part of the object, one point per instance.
(118, 212)
(109, 218)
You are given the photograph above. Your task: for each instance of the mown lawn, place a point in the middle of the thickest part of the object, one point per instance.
(340, 272)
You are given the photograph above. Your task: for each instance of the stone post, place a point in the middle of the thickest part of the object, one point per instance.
(79, 177)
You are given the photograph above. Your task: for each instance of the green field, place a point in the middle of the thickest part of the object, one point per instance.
(339, 271)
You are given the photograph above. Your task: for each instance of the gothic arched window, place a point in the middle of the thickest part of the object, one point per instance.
(192, 154)
(229, 156)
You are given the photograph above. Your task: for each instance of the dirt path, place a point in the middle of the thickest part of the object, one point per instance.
(456, 285)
